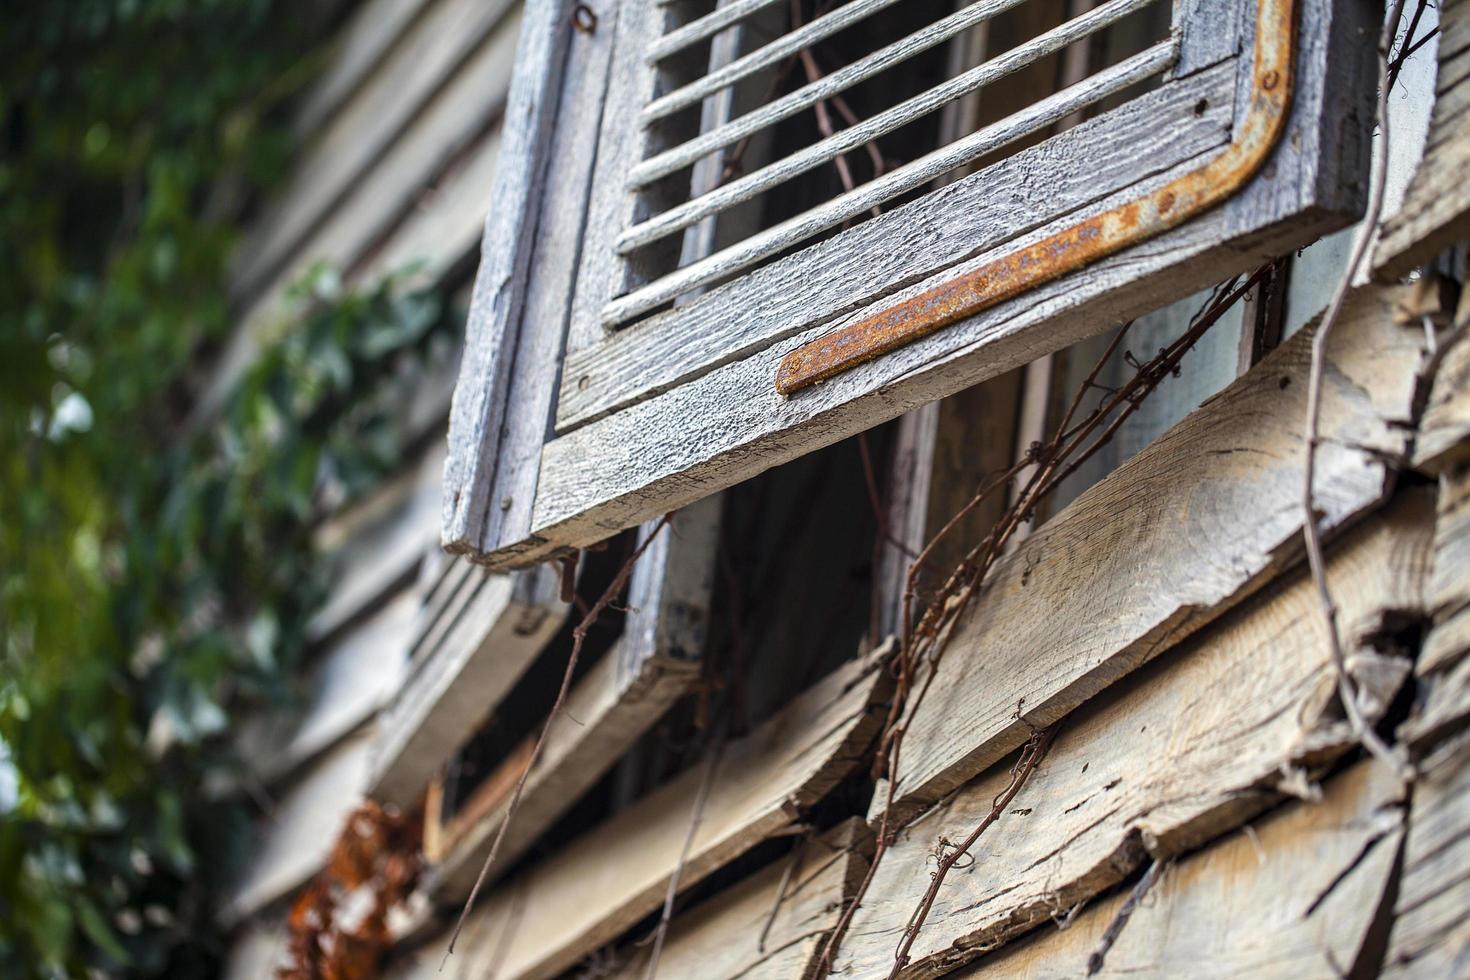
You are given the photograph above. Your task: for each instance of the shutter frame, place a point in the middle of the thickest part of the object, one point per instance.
(691, 407)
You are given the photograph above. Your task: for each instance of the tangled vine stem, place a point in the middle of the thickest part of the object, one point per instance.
(923, 640)
(1311, 533)
(1031, 755)
(579, 635)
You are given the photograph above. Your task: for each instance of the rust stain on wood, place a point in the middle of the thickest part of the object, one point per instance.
(1083, 243)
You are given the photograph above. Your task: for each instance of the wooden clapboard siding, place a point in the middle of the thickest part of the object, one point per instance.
(1436, 210)
(296, 836)
(1168, 541)
(377, 545)
(496, 428)
(375, 26)
(656, 661)
(1431, 932)
(1444, 431)
(1199, 741)
(1443, 669)
(421, 205)
(348, 681)
(772, 925)
(374, 120)
(477, 652)
(594, 888)
(1297, 894)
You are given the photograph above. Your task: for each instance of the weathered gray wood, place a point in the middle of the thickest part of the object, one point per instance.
(455, 684)
(836, 82)
(721, 939)
(893, 183)
(377, 545)
(796, 293)
(654, 663)
(1431, 932)
(1187, 527)
(360, 133)
(374, 28)
(1443, 667)
(1444, 431)
(632, 83)
(296, 837)
(1436, 211)
(597, 886)
(478, 417)
(1297, 894)
(1190, 748)
(767, 56)
(345, 686)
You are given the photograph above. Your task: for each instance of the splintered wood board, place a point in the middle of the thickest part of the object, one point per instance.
(1431, 930)
(721, 938)
(1197, 743)
(592, 889)
(1294, 895)
(1168, 541)
(1436, 210)
(1443, 669)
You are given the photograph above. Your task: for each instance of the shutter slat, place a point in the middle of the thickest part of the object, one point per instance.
(1146, 64)
(706, 26)
(823, 88)
(846, 140)
(784, 46)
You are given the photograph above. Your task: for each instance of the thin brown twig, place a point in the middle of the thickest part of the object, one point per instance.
(579, 636)
(1120, 919)
(1311, 533)
(923, 643)
(1032, 753)
(696, 817)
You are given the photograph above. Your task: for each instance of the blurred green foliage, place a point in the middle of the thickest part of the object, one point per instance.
(152, 579)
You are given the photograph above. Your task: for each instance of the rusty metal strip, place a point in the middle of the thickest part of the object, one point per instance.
(1083, 243)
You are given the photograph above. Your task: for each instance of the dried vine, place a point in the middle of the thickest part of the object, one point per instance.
(579, 636)
(1311, 533)
(925, 638)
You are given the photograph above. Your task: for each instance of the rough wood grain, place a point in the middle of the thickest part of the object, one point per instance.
(1169, 540)
(654, 663)
(1444, 430)
(730, 424)
(720, 939)
(501, 628)
(1295, 895)
(595, 887)
(1198, 742)
(1436, 210)
(1431, 932)
(899, 247)
(484, 434)
(1443, 669)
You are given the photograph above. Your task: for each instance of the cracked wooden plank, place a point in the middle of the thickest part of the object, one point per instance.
(592, 889)
(721, 938)
(1296, 894)
(655, 662)
(1197, 743)
(1182, 531)
(1436, 209)
(1431, 931)
(1443, 669)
